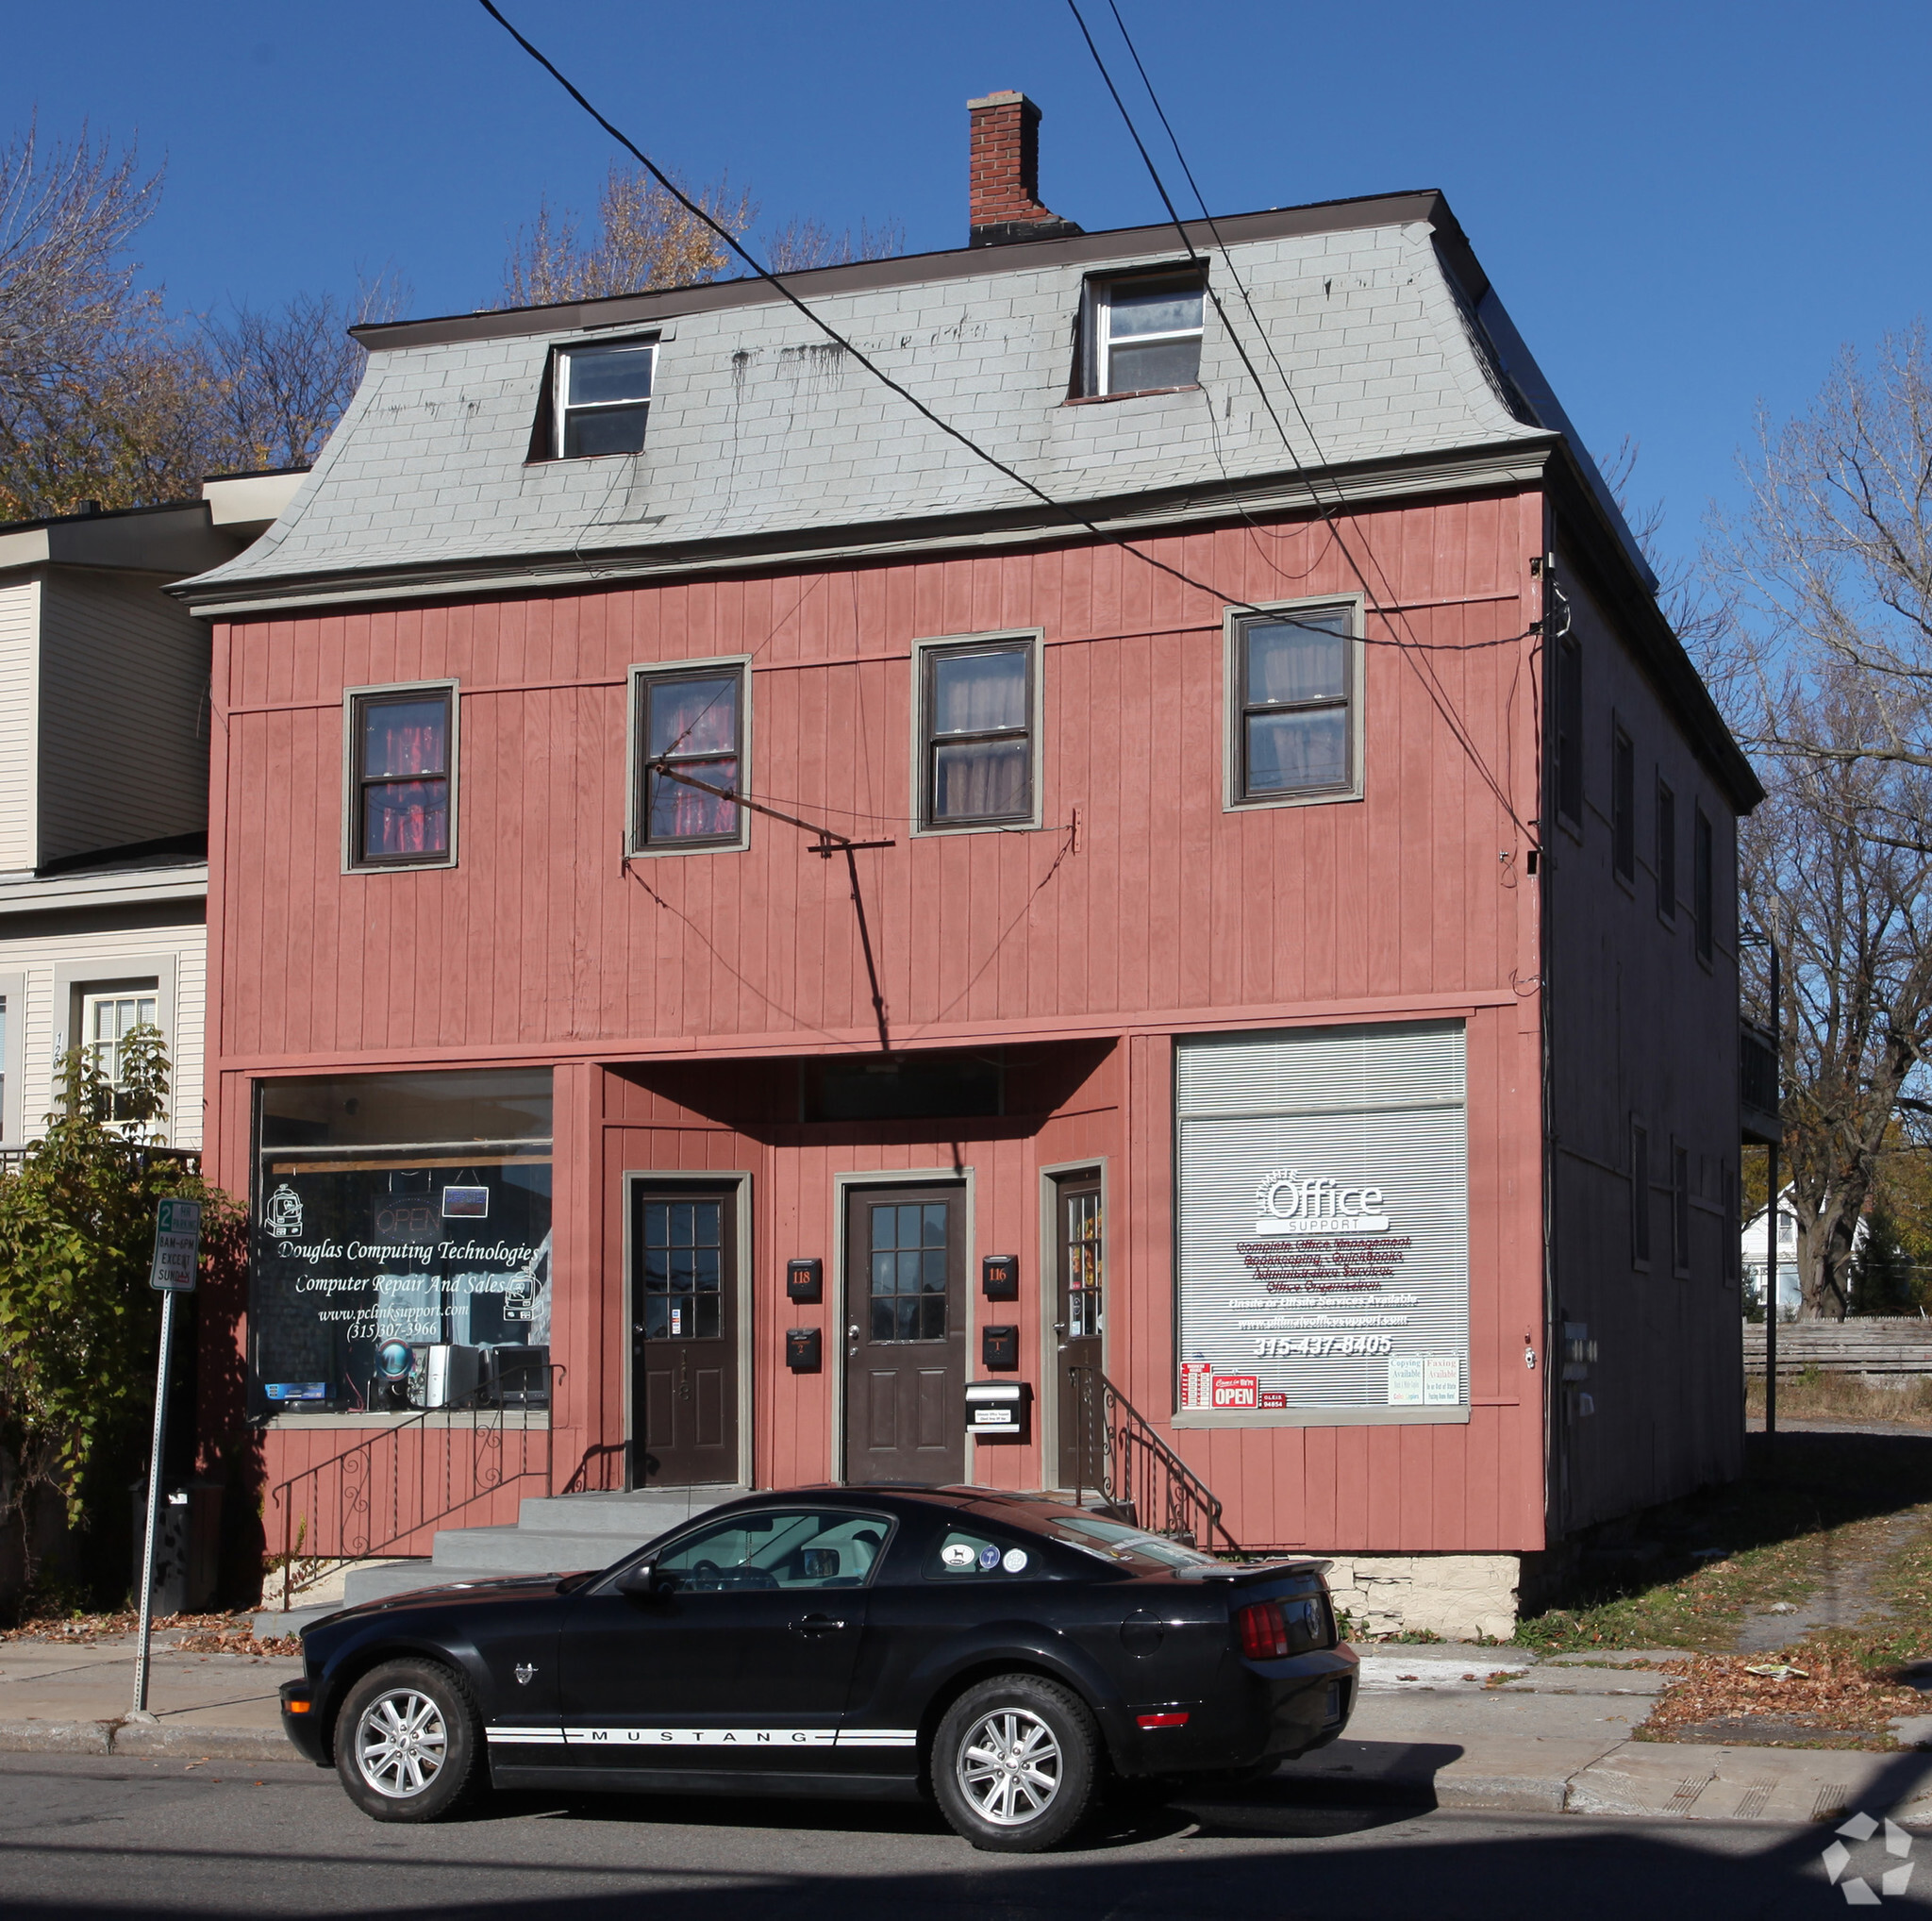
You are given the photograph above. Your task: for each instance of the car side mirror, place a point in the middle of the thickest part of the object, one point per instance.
(640, 1582)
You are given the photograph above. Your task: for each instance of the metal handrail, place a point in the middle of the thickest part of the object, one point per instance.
(373, 1508)
(1132, 1469)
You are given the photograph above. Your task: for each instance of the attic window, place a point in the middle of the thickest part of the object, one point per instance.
(601, 396)
(1141, 334)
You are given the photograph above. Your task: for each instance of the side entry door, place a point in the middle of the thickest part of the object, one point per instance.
(741, 1658)
(684, 1337)
(1079, 1318)
(906, 1334)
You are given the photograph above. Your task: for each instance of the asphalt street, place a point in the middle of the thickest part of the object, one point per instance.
(85, 1836)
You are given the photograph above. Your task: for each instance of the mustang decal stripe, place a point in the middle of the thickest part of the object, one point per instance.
(704, 1737)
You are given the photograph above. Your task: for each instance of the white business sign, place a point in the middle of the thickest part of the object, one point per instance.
(1323, 1203)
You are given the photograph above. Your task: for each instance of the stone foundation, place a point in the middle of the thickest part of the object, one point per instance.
(1459, 1597)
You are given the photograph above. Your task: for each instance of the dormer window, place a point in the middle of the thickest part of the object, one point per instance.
(602, 397)
(1141, 334)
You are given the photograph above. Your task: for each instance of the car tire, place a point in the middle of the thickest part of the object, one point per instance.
(1015, 1763)
(408, 1742)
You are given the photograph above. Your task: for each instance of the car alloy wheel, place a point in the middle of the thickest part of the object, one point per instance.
(408, 1742)
(401, 1743)
(1010, 1767)
(1016, 1762)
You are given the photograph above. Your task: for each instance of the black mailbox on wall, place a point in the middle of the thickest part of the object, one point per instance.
(804, 1349)
(999, 1276)
(805, 1280)
(999, 1347)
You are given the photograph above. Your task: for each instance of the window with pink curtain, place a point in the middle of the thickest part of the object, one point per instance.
(691, 728)
(403, 773)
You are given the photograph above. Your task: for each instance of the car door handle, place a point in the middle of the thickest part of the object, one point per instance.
(817, 1624)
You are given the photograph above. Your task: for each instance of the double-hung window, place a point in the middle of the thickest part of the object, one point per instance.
(602, 398)
(401, 754)
(1622, 806)
(978, 733)
(1703, 895)
(106, 1020)
(688, 724)
(1141, 335)
(1295, 678)
(1666, 852)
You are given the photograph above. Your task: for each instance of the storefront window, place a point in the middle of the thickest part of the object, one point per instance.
(402, 1242)
(1324, 1199)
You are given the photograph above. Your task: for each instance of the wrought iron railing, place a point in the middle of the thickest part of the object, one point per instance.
(397, 1481)
(1122, 1461)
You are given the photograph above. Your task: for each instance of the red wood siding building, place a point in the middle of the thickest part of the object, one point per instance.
(706, 1022)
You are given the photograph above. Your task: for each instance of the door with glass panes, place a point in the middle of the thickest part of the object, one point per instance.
(1079, 1323)
(906, 1334)
(684, 1336)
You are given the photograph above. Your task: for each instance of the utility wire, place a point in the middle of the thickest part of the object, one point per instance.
(1071, 513)
(1425, 673)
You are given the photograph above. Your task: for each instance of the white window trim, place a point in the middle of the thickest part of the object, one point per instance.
(351, 794)
(559, 391)
(1099, 329)
(73, 980)
(14, 1060)
(1035, 638)
(633, 847)
(1232, 798)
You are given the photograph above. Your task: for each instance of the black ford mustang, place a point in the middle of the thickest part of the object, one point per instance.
(1003, 1652)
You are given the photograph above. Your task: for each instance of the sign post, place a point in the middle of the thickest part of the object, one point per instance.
(178, 1249)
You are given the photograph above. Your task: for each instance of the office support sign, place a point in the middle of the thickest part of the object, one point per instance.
(1323, 1225)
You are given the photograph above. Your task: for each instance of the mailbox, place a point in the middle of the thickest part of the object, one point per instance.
(999, 1347)
(999, 1276)
(999, 1410)
(805, 1349)
(805, 1280)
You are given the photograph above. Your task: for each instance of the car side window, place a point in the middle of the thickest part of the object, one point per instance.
(969, 1555)
(776, 1548)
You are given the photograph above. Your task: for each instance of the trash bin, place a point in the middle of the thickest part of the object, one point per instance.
(188, 1546)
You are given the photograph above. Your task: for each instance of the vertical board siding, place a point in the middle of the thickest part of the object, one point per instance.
(1159, 909)
(20, 667)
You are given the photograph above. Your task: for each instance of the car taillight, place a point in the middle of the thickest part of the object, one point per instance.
(1269, 1630)
(1262, 1630)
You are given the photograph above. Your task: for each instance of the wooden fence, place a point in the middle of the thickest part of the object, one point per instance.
(1874, 1346)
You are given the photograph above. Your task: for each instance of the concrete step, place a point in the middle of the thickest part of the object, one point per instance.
(460, 1552)
(652, 1508)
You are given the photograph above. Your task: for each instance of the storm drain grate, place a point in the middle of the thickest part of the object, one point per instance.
(1755, 1794)
(1687, 1791)
(1829, 1805)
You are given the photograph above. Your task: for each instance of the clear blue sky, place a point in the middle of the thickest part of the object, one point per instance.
(1687, 206)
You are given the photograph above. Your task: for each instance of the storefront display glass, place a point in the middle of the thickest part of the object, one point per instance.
(1323, 1225)
(402, 1242)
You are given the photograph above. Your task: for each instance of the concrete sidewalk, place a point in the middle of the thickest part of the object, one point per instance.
(1431, 1727)
(63, 1700)
(1434, 1725)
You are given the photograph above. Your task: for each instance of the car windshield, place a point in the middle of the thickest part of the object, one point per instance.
(1117, 1542)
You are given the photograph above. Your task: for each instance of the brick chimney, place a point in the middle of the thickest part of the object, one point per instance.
(1002, 176)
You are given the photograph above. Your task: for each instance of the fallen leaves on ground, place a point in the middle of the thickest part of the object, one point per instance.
(229, 1639)
(185, 1633)
(1834, 1692)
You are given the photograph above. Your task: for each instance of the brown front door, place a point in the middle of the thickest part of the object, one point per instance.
(684, 1337)
(1079, 1311)
(906, 1334)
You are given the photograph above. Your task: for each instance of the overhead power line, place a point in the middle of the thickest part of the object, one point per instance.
(1438, 694)
(1071, 514)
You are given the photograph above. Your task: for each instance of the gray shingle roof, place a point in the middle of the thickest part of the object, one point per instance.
(761, 427)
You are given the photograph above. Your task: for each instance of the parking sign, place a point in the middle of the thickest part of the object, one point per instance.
(178, 1245)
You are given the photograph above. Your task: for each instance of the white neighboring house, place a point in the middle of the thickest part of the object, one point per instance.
(1789, 1292)
(104, 735)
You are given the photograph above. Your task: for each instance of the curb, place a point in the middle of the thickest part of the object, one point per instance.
(143, 1741)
